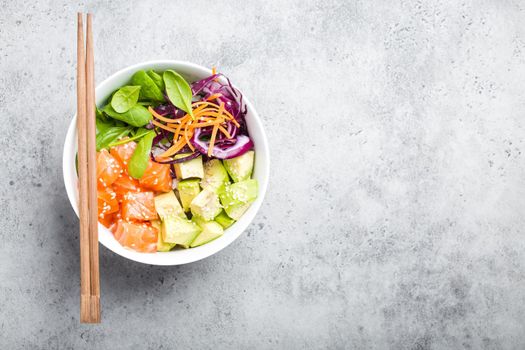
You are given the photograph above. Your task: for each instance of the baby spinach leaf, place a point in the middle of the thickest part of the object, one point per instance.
(178, 91)
(103, 124)
(148, 89)
(146, 103)
(137, 116)
(138, 134)
(125, 98)
(99, 114)
(110, 135)
(157, 78)
(139, 160)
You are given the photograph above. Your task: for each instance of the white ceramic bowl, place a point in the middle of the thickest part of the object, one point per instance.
(191, 72)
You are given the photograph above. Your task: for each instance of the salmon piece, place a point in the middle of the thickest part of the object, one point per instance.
(107, 203)
(157, 177)
(109, 220)
(125, 184)
(141, 237)
(139, 206)
(108, 169)
(123, 153)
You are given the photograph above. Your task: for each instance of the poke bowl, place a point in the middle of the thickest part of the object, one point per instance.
(197, 129)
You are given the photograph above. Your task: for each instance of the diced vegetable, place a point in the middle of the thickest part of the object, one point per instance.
(215, 175)
(236, 198)
(206, 205)
(188, 190)
(240, 168)
(224, 220)
(161, 245)
(190, 169)
(210, 231)
(168, 205)
(179, 231)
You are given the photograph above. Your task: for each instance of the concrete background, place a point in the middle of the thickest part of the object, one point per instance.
(394, 217)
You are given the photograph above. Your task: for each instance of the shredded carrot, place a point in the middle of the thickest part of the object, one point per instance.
(203, 125)
(213, 112)
(174, 149)
(214, 96)
(215, 129)
(196, 110)
(212, 106)
(159, 117)
(179, 128)
(212, 140)
(207, 103)
(162, 126)
(213, 70)
(205, 114)
(225, 132)
(187, 137)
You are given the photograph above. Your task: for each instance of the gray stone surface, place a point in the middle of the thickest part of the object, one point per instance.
(394, 217)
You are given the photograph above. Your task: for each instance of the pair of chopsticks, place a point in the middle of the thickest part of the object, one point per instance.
(87, 164)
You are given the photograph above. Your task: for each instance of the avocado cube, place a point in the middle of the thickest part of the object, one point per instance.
(188, 189)
(180, 231)
(161, 245)
(236, 198)
(190, 168)
(210, 231)
(215, 175)
(167, 205)
(240, 168)
(206, 205)
(224, 220)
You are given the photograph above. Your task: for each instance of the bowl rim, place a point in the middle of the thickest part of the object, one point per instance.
(173, 257)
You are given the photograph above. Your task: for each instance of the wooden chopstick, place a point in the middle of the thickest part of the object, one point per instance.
(89, 259)
(92, 173)
(85, 274)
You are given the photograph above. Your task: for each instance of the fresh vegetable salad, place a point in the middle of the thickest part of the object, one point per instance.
(174, 161)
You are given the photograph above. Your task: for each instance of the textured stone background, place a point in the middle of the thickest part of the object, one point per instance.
(394, 217)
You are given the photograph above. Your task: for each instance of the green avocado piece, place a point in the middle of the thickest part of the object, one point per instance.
(206, 205)
(210, 231)
(224, 220)
(236, 198)
(161, 245)
(168, 205)
(215, 175)
(240, 168)
(188, 189)
(190, 168)
(180, 231)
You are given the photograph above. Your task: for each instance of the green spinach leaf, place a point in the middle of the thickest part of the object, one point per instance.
(137, 116)
(110, 135)
(157, 78)
(99, 114)
(147, 103)
(103, 124)
(148, 89)
(178, 91)
(136, 135)
(125, 98)
(139, 160)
